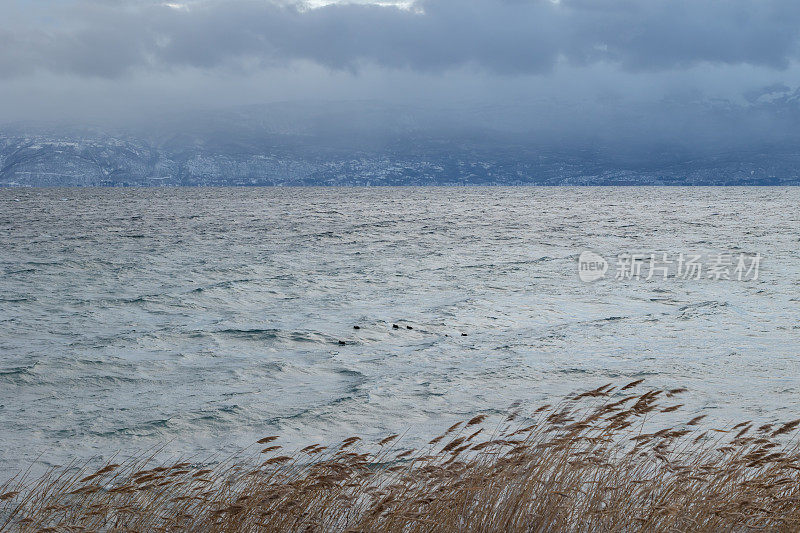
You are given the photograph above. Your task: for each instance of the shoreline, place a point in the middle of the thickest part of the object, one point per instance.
(595, 460)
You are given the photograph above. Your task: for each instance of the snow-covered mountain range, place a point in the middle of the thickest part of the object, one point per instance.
(692, 142)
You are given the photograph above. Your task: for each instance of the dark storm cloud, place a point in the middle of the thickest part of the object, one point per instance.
(504, 36)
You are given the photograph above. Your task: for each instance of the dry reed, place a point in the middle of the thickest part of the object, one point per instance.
(595, 462)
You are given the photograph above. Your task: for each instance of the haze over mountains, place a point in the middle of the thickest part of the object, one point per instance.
(686, 140)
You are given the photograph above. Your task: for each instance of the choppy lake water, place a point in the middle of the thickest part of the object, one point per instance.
(207, 318)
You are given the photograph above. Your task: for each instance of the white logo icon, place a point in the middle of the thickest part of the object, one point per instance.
(591, 266)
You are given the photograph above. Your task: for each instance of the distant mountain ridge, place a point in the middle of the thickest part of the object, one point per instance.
(368, 143)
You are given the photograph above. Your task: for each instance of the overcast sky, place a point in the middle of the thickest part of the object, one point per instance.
(122, 58)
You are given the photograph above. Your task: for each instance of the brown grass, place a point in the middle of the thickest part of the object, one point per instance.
(595, 462)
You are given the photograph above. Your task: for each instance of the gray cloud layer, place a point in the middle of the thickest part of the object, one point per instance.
(111, 39)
